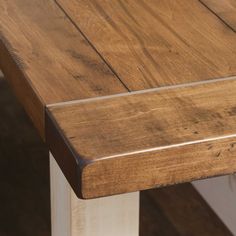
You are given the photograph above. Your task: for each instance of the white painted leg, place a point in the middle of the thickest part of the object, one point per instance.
(109, 216)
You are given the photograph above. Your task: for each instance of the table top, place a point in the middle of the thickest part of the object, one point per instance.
(128, 95)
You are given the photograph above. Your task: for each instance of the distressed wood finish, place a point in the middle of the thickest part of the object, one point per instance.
(47, 60)
(139, 141)
(55, 52)
(224, 9)
(156, 43)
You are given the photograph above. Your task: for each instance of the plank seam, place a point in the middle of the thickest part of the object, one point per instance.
(220, 18)
(93, 47)
(176, 145)
(176, 86)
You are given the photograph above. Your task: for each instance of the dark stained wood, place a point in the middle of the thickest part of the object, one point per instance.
(139, 141)
(23, 90)
(63, 154)
(152, 43)
(153, 221)
(47, 60)
(224, 9)
(1, 75)
(180, 208)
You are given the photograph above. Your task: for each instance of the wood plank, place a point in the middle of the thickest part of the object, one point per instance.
(33, 193)
(224, 9)
(143, 140)
(157, 43)
(47, 60)
(58, 51)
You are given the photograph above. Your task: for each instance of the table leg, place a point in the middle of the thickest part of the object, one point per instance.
(108, 216)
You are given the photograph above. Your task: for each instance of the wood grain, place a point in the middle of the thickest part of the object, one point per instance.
(57, 51)
(139, 141)
(25, 155)
(157, 43)
(47, 60)
(224, 9)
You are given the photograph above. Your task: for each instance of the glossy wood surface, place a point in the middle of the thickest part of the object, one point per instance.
(147, 121)
(224, 9)
(156, 43)
(56, 53)
(187, 212)
(47, 60)
(140, 141)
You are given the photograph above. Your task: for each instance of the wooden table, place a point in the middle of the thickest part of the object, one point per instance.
(128, 95)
